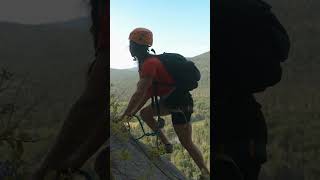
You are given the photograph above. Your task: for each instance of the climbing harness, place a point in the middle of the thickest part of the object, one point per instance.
(143, 130)
(154, 100)
(160, 121)
(155, 133)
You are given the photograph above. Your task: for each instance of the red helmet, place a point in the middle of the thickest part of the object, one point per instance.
(141, 36)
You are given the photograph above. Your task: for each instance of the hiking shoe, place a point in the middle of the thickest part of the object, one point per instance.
(168, 148)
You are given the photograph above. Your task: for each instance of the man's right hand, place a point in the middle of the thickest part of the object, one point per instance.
(125, 117)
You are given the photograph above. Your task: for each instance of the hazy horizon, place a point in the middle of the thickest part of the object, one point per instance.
(137, 67)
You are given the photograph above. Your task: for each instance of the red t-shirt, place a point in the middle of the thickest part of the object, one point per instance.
(152, 67)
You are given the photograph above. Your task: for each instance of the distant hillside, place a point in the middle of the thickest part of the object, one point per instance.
(124, 81)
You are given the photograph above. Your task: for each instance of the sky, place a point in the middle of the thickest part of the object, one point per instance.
(42, 11)
(181, 26)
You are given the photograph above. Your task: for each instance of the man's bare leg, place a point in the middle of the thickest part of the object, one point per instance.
(184, 133)
(147, 115)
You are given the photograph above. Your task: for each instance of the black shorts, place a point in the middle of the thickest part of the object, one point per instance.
(180, 106)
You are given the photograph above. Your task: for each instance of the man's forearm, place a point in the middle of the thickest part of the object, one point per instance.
(141, 104)
(138, 98)
(133, 103)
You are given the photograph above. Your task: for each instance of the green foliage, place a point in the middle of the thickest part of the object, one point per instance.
(118, 126)
(182, 159)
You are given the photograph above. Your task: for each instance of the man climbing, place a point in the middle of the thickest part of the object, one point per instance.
(154, 81)
(86, 127)
(249, 43)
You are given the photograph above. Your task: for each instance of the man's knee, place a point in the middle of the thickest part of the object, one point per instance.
(143, 112)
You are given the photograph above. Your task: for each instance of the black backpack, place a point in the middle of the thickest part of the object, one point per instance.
(252, 41)
(183, 71)
(186, 76)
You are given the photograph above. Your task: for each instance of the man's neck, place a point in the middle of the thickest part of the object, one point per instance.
(143, 57)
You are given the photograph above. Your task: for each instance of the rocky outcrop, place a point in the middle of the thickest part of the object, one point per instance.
(131, 160)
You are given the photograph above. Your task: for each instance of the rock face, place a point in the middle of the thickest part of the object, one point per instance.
(139, 164)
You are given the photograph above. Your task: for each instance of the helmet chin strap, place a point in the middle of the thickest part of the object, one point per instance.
(135, 58)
